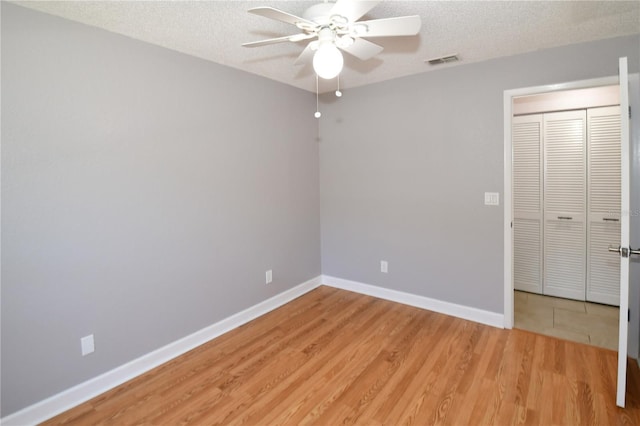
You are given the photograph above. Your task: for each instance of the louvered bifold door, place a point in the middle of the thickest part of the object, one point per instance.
(565, 184)
(603, 211)
(527, 203)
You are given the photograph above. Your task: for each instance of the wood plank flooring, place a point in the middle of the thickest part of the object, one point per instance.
(334, 357)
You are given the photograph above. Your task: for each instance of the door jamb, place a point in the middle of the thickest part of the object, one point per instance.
(508, 195)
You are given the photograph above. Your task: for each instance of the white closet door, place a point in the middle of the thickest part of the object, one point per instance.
(527, 203)
(565, 204)
(603, 213)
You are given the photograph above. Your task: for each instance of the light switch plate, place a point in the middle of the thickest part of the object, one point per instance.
(87, 345)
(491, 198)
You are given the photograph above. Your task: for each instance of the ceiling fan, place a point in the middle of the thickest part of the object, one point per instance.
(335, 27)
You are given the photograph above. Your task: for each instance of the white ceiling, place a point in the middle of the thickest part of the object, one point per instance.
(476, 30)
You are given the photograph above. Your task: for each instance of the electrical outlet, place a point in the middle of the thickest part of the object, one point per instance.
(269, 276)
(384, 266)
(87, 345)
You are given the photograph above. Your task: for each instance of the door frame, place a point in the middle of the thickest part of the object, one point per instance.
(508, 178)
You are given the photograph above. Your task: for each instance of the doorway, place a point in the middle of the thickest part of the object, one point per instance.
(509, 96)
(566, 209)
(634, 215)
(629, 320)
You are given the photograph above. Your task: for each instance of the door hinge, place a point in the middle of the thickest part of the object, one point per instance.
(511, 225)
(628, 315)
(629, 111)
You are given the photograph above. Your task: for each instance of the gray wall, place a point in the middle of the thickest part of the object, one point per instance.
(404, 165)
(144, 195)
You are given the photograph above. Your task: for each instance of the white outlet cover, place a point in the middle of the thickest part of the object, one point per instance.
(87, 345)
(491, 198)
(384, 266)
(269, 276)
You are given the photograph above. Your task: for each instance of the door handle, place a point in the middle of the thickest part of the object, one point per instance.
(610, 219)
(624, 251)
(565, 217)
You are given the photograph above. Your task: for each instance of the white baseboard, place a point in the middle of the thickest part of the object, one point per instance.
(78, 394)
(460, 311)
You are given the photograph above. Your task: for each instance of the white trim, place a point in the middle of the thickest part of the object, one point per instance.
(508, 213)
(78, 394)
(625, 232)
(508, 204)
(473, 314)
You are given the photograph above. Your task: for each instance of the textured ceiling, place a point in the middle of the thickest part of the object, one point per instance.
(475, 30)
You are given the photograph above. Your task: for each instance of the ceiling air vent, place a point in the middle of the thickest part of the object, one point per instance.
(443, 59)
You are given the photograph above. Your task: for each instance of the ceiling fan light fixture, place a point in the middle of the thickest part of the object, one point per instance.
(334, 25)
(328, 61)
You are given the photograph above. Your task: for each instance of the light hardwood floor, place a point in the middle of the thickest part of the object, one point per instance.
(333, 357)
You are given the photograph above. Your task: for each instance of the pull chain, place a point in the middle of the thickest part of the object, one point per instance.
(338, 92)
(317, 114)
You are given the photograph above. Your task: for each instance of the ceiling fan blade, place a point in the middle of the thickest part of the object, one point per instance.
(279, 15)
(363, 49)
(389, 27)
(306, 55)
(353, 9)
(294, 38)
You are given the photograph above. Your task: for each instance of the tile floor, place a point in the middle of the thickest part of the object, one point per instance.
(574, 320)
